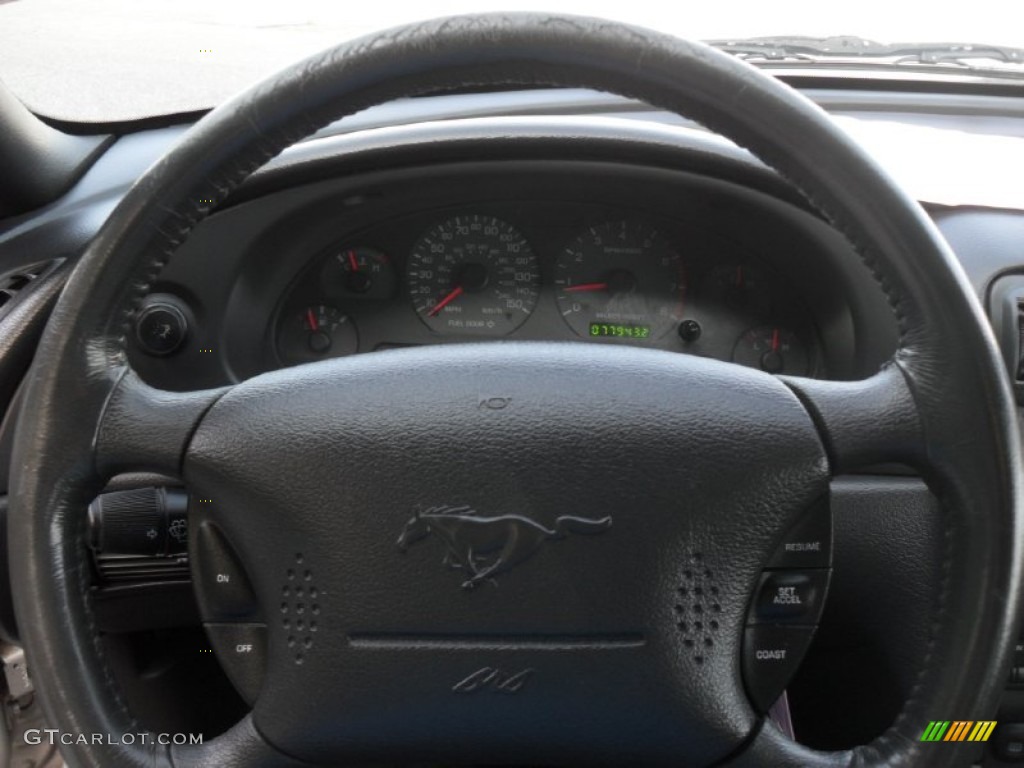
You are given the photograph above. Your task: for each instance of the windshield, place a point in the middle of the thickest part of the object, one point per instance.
(114, 60)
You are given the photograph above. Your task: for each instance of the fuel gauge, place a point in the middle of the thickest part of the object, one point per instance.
(773, 350)
(315, 333)
(364, 273)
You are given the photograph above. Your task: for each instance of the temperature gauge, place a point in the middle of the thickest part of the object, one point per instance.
(362, 273)
(772, 349)
(315, 333)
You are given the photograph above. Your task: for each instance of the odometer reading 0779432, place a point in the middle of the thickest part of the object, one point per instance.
(473, 275)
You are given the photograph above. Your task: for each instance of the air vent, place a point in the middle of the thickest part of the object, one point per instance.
(14, 282)
(1006, 313)
(1018, 372)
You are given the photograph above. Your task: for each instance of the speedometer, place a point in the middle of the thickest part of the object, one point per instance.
(473, 275)
(620, 280)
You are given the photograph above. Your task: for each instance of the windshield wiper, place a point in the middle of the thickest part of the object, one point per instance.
(851, 49)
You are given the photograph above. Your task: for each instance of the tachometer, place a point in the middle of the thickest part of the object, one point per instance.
(620, 280)
(473, 275)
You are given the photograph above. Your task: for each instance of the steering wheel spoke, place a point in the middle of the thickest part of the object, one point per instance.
(241, 745)
(867, 422)
(144, 429)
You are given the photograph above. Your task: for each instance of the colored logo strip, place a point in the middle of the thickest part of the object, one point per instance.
(935, 731)
(982, 730)
(958, 730)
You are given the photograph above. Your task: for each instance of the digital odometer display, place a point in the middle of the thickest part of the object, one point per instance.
(615, 331)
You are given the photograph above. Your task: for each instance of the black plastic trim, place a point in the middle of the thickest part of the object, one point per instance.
(38, 163)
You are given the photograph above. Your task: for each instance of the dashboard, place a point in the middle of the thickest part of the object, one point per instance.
(575, 252)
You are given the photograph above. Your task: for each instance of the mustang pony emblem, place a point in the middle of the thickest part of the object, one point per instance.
(483, 547)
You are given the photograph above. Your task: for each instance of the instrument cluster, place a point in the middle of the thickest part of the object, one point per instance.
(598, 276)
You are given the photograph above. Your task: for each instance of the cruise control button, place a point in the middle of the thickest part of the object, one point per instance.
(242, 651)
(222, 587)
(794, 597)
(808, 544)
(771, 655)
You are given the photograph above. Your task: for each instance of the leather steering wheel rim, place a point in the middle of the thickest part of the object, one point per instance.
(942, 403)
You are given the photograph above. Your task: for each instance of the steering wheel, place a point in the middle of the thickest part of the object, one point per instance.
(677, 463)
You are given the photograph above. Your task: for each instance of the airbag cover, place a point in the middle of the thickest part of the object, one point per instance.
(509, 549)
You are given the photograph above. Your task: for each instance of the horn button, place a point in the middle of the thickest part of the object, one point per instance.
(559, 536)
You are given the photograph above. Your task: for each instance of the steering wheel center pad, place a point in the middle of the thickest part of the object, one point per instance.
(507, 534)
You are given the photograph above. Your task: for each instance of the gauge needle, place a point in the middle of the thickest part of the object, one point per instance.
(587, 287)
(311, 319)
(445, 301)
(775, 339)
(352, 261)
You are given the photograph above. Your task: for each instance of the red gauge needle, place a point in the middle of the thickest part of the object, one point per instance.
(587, 287)
(445, 301)
(775, 339)
(352, 261)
